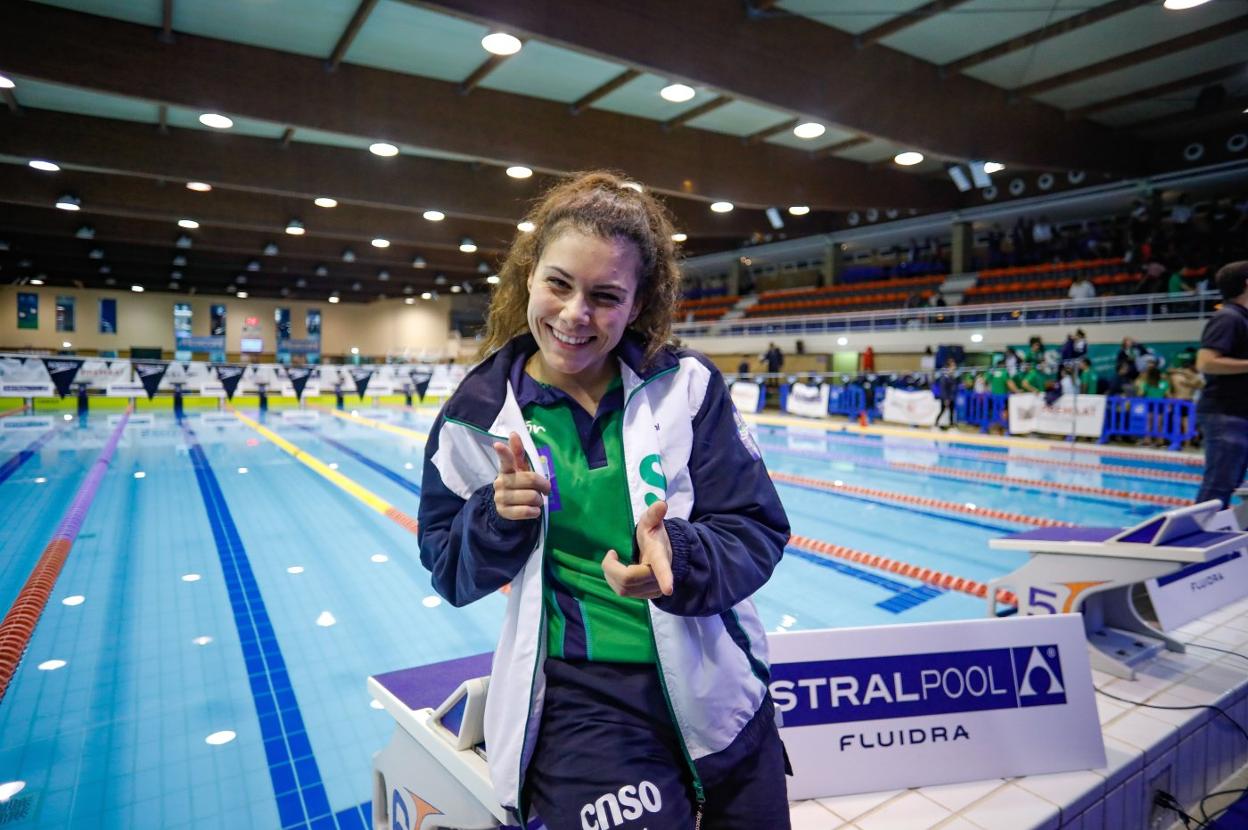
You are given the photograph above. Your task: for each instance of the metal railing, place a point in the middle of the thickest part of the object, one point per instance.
(1110, 309)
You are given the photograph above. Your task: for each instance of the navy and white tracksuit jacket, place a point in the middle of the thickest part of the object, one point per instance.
(725, 521)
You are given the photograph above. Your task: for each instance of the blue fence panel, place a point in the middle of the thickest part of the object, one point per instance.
(1171, 420)
(983, 409)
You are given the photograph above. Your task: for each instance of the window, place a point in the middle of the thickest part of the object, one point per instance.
(217, 317)
(64, 313)
(27, 310)
(108, 316)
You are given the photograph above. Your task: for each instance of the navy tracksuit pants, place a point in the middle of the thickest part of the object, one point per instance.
(608, 756)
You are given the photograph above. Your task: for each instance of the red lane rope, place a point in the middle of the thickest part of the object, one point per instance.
(920, 501)
(1177, 458)
(17, 411)
(936, 578)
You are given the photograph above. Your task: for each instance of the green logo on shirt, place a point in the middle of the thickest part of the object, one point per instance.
(652, 474)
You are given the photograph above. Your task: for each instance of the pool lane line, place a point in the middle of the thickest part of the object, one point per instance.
(11, 466)
(930, 576)
(296, 777)
(1079, 490)
(23, 615)
(997, 457)
(919, 501)
(336, 478)
(375, 424)
(407, 484)
(900, 431)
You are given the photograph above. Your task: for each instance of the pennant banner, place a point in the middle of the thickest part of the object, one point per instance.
(420, 380)
(62, 370)
(361, 378)
(229, 377)
(151, 373)
(298, 376)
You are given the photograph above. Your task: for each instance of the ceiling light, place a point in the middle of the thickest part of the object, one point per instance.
(45, 166)
(519, 172)
(977, 338)
(799, 210)
(501, 43)
(381, 242)
(408, 300)
(137, 289)
(908, 158)
(960, 180)
(334, 298)
(216, 121)
(325, 202)
(455, 289)
(174, 286)
(721, 207)
(1180, 5)
(525, 226)
(96, 253)
(492, 279)
(36, 281)
(199, 187)
(285, 292)
(300, 282)
(418, 262)
(679, 237)
(65, 344)
(434, 215)
(440, 279)
(242, 295)
(175, 275)
(270, 249)
(483, 268)
(810, 129)
(189, 224)
(426, 295)
(842, 341)
(5, 83)
(348, 255)
(381, 148)
(774, 219)
(356, 286)
(253, 265)
(68, 201)
(85, 232)
(993, 167)
(677, 93)
(294, 227)
(467, 246)
(383, 275)
(105, 269)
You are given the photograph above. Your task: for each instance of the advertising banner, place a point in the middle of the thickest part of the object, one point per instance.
(1084, 414)
(889, 707)
(150, 373)
(747, 396)
(62, 370)
(910, 406)
(1196, 590)
(807, 400)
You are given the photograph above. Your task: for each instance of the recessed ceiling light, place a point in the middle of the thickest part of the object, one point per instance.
(680, 237)
(1180, 5)
(677, 93)
(991, 167)
(519, 172)
(183, 241)
(325, 202)
(908, 158)
(381, 148)
(5, 83)
(492, 279)
(525, 227)
(242, 295)
(68, 201)
(137, 289)
(434, 215)
(333, 299)
(216, 121)
(721, 207)
(467, 246)
(799, 210)
(36, 281)
(199, 187)
(426, 295)
(810, 129)
(501, 43)
(294, 227)
(408, 300)
(45, 166)
(383, 275)
(418, 262)
(270, 249)
(381, 242)
(189, 224)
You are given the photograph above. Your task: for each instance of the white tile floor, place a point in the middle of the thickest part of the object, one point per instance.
(1187, 752)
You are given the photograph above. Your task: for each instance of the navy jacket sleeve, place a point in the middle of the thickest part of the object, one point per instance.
(470, 550)
(737, 530)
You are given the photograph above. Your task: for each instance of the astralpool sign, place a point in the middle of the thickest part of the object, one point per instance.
(934, 703)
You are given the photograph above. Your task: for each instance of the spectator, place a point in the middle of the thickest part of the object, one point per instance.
(1042, 236)
(774, 358)
(1185, 385)
(1036, 379)
(743, 368)
(1129, 355)
(1122, 384)
(1082, 288)
(1152, 386)
(1177, 284)
(998, 378)
(937, 300)
(1075, 347)
(1222, 412)
(947, 391)
(1089, 381)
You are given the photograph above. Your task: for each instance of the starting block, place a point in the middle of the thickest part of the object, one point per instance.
(1099, 571)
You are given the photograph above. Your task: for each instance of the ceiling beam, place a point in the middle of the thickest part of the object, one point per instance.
(10, 99)
(481, 73)
(799, 67)
(841, 146)
(598, 93)
(767, 132)
(904, 21)
(348, 35)
(1158, 50)
(166, 21)
(1203, 79)
(304, 171)
(162, 119)
(288, 135)
(1061, 27)
(121, 58)
(697, 112)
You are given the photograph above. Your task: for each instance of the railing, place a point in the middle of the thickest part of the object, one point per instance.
(1112, 309)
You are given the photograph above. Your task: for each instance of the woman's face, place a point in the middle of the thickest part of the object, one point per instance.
(582, 296)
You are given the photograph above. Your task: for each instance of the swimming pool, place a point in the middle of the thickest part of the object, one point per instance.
(201, 660)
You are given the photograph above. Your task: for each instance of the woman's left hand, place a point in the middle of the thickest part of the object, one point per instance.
(651, 576)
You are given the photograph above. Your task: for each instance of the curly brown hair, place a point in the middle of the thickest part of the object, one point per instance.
(603, 204)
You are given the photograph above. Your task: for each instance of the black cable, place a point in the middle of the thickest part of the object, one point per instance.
(1223, 650)
(1218, 814)
(1167, 801)
(1217, 709)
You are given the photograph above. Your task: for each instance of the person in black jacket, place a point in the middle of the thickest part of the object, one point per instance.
(947, 391)
(1222, 411)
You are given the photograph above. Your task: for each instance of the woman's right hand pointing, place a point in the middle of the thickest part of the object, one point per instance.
(518, 490)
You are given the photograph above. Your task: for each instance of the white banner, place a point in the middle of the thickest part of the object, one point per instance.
(747, 396)
(1084, 413)
(1192, 592)
(807, 400)
(30, 389)
(125, 389)
(909, 406)
(870, 709)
